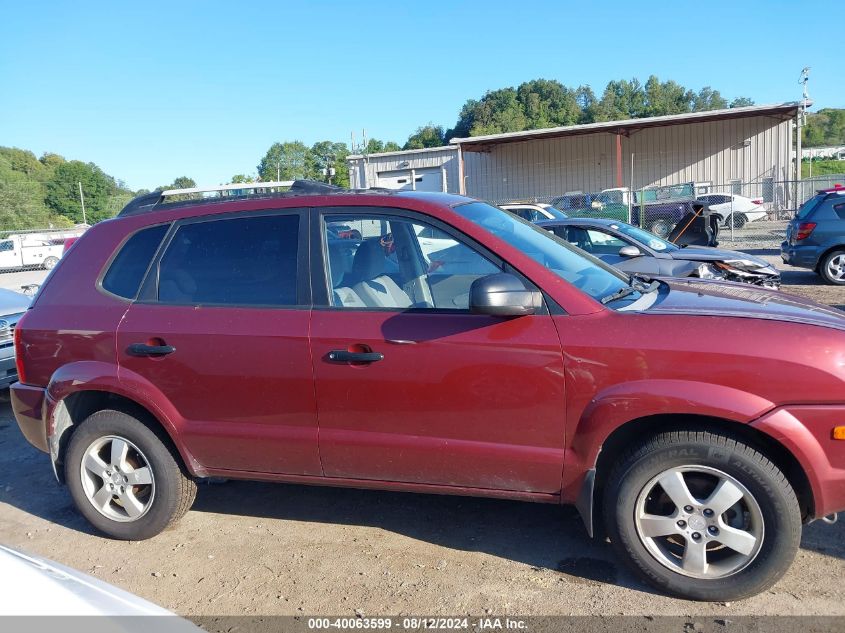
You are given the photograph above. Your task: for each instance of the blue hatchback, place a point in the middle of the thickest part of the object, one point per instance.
(815, 237)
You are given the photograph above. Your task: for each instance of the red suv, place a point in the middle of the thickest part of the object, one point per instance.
(435, 344)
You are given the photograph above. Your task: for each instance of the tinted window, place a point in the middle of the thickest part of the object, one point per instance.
(840, 210)
(128, 268)
(239, 261)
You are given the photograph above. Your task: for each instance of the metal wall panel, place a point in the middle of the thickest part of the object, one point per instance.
(746, 149)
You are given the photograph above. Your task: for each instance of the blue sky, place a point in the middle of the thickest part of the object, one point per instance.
(153, 90)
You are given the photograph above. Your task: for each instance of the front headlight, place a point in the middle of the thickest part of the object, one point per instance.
(746, 267)
(708, 271)
(743, 264)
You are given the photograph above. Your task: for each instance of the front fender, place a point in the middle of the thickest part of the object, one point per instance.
(646, 399)
(98, 376)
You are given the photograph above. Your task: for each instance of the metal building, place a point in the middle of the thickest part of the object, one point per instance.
(739, 149)
(431, 169)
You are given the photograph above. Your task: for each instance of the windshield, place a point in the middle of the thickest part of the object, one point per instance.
(556, 213)
(805, 209)
(585, 272)
(644, 237)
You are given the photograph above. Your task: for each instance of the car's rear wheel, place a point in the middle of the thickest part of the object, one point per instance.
(124, 478)
(50, 263)
(702, 515)
(739, 220)
(832, 268)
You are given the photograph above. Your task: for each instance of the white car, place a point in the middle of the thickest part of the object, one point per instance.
(735, 208)
(35, 586)
(535, 212)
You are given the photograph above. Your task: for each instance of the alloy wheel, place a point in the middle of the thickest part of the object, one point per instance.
(699, 522)
(836, 267)
(117, 479)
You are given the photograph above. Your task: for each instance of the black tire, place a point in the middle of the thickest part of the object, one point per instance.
(826, 265)
(173, 491)
(775, 499)
(738, 220)
(661, 227)
(50, 263)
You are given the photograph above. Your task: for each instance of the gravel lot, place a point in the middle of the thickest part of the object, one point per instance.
(253, 548)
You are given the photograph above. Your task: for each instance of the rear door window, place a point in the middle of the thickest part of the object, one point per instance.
(249, 261)
(807, 208)
(129, 266)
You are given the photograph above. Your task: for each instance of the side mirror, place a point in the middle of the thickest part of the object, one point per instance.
(630, 251)
(503, 294)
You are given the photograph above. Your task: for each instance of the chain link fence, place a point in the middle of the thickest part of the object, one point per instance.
(34, 249)
(753, 215)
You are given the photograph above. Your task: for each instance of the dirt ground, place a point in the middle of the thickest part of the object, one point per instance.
(254, 548)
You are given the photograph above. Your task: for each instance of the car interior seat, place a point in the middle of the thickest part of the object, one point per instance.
(369, 280)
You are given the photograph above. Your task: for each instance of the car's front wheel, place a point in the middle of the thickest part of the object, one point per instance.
(832, 268)
(123, 477)
(702, 515)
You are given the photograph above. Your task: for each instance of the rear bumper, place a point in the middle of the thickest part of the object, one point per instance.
(800, 256)
(28, 406)
(807, 432)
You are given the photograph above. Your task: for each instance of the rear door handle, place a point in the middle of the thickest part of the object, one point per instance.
(342, 356)
(142, 349)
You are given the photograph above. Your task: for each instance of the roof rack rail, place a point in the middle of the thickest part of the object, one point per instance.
(149, 201)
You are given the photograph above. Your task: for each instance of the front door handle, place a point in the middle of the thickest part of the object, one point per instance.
(343, 356)
(142, 349)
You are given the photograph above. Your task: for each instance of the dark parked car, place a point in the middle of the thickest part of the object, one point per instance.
(635, 250)
(815, 237)
(227, 338)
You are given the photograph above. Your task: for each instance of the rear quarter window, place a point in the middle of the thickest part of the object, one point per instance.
(839, 210)
(129, 266)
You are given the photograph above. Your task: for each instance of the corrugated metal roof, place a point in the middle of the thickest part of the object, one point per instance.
(404, 152)
(786, 110)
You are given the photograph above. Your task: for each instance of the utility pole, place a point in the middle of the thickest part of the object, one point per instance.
(800, 119)
(278, 170)
(82, 202)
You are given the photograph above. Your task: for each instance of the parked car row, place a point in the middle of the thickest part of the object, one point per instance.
(635, 250)
(659, 209)
(815, 237)
(435, 343)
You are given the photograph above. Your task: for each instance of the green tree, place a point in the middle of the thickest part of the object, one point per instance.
(328, 155)
(587, 102)
(63, 191)
(548, 103)
(825, 127)
(668, 97)
(708, 99)
(375, 146)
(50, 160)
(741, 102)
(426, 136)
(23, 161)
(286, 161)
(182, 182)
(242, 178)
